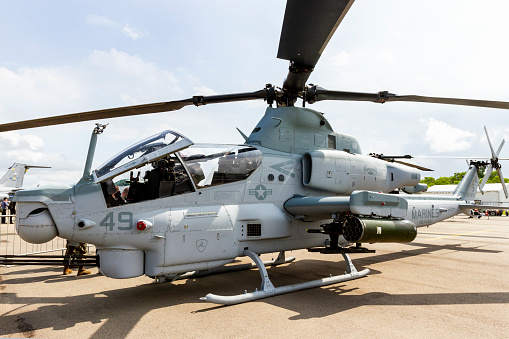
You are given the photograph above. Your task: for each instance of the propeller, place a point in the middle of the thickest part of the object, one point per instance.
(307, 28)
(391, 158)
(494, 164)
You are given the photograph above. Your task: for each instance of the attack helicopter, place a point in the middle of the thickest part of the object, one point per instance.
(190, 209)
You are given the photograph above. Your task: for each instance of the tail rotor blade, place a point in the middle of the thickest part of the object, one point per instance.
(500, 147)
(494, 164)
(487, 174)
(489, 142)
(501, 176)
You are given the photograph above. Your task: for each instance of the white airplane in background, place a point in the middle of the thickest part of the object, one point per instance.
(12, 181)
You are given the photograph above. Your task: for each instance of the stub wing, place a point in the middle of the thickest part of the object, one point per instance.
(359, 203)
(316, 208)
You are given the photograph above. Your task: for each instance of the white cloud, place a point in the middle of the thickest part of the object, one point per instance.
(133, 33)
(29, 149)
(98, 20)
(125, 63)
(47, 86)
(341, 59)
(13, 140)
(103, 79)
(386, 56)
(203, 90)
(117, 74)
(119, 61)
(442, 137)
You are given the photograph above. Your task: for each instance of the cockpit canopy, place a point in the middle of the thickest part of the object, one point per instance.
(168, 164)
(145, 151)
(211, 165)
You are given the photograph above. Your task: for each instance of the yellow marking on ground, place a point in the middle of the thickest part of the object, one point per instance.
(458, 235)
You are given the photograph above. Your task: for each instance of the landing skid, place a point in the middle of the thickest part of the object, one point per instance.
(267, 289)
(224, 269)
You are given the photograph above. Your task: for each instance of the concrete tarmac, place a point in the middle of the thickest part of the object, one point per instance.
(451, 282)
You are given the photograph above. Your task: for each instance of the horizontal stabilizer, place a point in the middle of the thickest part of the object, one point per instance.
(468, 207)
(35, 166)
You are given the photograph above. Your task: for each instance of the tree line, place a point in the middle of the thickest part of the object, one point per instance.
(456, 178)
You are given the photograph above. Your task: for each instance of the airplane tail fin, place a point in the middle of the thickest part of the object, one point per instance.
(15, 175)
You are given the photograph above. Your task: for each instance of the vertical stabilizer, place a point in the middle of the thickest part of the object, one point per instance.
(14, 176)
(13, 179)
(467, 188)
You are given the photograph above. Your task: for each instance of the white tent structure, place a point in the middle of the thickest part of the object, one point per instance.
(493, 193)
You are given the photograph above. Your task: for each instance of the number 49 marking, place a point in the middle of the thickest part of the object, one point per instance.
(124, 218)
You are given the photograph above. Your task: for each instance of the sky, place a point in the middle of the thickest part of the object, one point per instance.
(59, 57)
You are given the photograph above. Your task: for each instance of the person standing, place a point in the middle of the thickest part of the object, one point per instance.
(73, 249)
(12, 210)
(4, 206)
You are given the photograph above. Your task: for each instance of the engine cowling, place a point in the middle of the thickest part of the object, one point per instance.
(342, 172)
(419, 188)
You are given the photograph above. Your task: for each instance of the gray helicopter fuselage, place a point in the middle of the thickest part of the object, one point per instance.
(191, 231)
(211, 222)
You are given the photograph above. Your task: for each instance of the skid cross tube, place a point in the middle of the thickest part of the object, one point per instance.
(267, 288)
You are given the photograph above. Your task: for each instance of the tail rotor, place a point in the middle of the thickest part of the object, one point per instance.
(494, 164)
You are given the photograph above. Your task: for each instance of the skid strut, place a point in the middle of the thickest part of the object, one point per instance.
(267, 289)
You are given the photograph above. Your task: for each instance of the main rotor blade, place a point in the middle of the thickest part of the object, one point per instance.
(413, 165)
(318, 94)
(307, 28)
(390, 157)
(450, 157)
(95, 115)
(131, 110)
(452, 101)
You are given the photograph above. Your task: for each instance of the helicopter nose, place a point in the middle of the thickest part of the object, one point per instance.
(38, 227)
